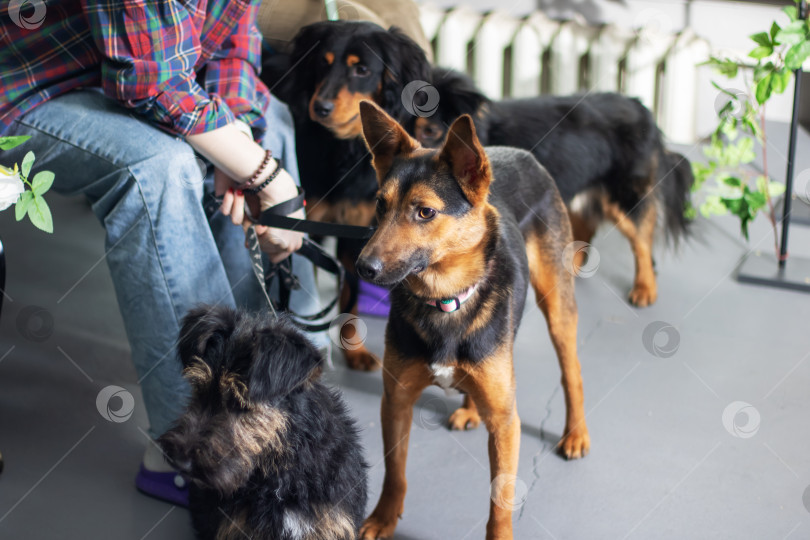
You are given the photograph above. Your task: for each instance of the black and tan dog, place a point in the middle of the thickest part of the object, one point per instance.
(604, 151)
(462, 234)
(272, 453)
(333, 66)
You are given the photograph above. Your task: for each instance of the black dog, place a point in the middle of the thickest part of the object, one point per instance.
(604, 150)
(272, 453)
(332, 67)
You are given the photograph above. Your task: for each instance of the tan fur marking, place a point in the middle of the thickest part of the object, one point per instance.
(491, 387)
(645, 288)
(404, 379)
(419, 127)
(234, 528)
(231, 385)
(424, 196)
(198, 373)
(329, 57)
(344, 121)
(264, 427)
(333, 524)
(554, 290)
(352, 59)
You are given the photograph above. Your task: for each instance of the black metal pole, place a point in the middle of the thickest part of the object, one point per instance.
(794, 127)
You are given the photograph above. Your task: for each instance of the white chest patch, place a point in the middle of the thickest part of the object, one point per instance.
(443, 376)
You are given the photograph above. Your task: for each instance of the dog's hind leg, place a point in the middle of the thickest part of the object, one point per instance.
(403, 383)
(491, 385)
(554, 290)
(640, 233)
(466, 416)
(583, 230)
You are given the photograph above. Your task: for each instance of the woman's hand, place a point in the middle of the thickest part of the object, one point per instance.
(277, 243)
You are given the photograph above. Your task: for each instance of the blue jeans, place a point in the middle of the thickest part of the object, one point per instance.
(146, 188)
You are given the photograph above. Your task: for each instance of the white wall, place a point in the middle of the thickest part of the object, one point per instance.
(725, 25)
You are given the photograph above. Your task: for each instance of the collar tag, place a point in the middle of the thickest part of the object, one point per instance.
(449, 305)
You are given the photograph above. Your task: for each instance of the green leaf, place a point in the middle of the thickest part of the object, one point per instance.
(762, 38)
(775, 189)
(774, 30)
(7, 143)
(796, 55)
(761, 70)
(713, 205)
(763, 91)
(27, 163)
(780, 80)
(761, 52)
(792, 34)
(42, 182)
(791, 12)
(725, 67)
(756, 200)
(22, 205)
(732, 181)
(746, 151)
(40, 214)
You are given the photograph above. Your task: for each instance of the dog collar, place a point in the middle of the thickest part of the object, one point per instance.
(449, 305)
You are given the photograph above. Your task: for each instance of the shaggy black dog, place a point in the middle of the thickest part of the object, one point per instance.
(604, 150)
(331, 68)
(272, 453)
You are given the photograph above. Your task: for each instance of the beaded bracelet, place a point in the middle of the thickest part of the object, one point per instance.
(254, 191)
(268, 155)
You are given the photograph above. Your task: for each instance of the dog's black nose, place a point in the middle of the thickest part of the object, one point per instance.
(369, 268)
(323, 108)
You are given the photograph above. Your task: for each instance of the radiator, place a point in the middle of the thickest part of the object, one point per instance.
(533, 55)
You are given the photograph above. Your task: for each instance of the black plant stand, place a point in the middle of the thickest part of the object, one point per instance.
(756, 268)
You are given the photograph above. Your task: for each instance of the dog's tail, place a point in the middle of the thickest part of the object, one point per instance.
(673, 189)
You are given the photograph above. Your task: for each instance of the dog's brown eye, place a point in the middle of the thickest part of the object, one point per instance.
(359, 70)
(426, 213)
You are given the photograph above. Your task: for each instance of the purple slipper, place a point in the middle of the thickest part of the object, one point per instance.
(167, 486)
(373, 300)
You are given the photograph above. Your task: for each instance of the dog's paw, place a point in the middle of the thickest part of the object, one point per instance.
(374, 528)
(362, 360)
(464, 419)
(643, 295)
(575, 444)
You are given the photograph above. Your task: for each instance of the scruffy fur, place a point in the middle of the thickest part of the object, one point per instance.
(448, 219)
(271, 452)
(603, 150)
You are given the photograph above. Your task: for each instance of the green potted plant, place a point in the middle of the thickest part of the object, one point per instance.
(776, 56)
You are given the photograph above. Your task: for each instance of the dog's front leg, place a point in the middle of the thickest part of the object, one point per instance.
(403, 382)
(491, 385)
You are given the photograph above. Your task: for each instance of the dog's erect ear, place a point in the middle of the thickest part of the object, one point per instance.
(203, 334)
(405, 62)
(467, 160)
(384, 137)
(284, 360)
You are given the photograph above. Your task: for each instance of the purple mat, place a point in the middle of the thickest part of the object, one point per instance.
(373, 300)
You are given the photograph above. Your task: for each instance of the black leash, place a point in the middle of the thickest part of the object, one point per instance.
(276, 217)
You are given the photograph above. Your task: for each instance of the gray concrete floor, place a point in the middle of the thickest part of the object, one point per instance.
(662, 464)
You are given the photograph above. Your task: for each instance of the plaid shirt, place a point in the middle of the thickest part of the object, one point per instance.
(186, 66)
